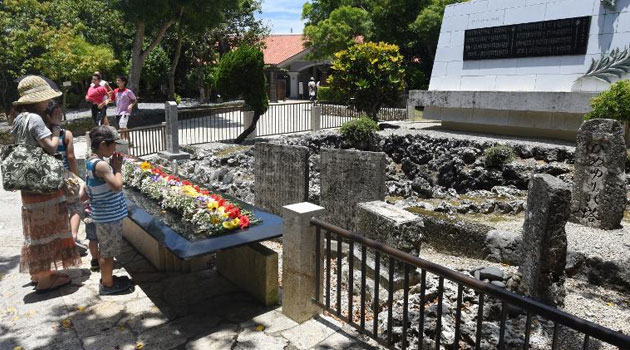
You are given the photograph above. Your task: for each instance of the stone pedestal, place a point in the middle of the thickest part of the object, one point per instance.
(544, 246)
(298, 261)
(252, 267)
(599, 186)
(172, 134)
(157, 254)
(316, 117)
(281, 176)
(390, 225)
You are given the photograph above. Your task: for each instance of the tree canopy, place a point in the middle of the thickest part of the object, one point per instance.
(413, 25)
(370, 73)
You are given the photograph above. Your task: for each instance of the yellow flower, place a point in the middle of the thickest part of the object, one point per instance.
(231, 224)
(213, 205)
(215, 220)
(228, 225)
(145, 166)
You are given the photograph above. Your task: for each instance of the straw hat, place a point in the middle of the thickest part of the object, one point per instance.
(34, 89)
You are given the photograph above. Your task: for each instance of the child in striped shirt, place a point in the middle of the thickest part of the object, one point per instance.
(107, 202)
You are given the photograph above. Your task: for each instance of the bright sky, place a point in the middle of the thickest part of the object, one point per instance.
(283, 15)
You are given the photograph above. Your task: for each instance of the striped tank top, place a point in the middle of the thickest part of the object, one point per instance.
(106, 205)
(61, 149)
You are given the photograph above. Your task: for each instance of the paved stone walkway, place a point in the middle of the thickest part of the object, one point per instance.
(164, 310)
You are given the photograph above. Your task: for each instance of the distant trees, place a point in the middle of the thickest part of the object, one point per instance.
(413, 25)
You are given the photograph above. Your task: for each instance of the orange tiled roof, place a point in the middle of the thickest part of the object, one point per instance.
(279, 48)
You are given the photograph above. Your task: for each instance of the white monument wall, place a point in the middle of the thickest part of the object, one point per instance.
(609, 30)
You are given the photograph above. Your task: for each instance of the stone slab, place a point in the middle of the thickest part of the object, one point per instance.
(252, 267)
(170, 156)
(557, 102)
(599, 180)
(390, 225)
(349, 177)
(281, 175)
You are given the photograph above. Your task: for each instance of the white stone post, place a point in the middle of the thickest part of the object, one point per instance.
(294, 84)
(316, 117)
(172, 134)
(298, 261)
(248, 119)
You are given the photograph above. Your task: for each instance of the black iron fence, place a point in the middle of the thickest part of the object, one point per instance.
(146, 140)
(285, 118)
(334, 115)
(438, 308)
(203, 125)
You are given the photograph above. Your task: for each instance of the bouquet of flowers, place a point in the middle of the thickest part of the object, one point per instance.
(211, 214)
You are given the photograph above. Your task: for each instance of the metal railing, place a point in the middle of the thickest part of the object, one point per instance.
(334, 115)
(203, 125)
(566, 327)
(146, 140)
(285, 118)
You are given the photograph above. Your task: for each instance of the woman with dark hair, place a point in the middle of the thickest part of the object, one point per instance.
(48, 240)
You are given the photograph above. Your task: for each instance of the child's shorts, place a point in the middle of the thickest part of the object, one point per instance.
(90, 231)
(109, 238)
(76, 208)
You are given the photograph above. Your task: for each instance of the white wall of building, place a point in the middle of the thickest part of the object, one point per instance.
(609, 30)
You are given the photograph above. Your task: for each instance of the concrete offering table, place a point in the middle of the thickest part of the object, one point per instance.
(240, 259)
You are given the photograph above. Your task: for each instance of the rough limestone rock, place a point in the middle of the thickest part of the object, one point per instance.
(390, 225)
(599, 191)
(545, 239)
(281, 174)
(347, 178)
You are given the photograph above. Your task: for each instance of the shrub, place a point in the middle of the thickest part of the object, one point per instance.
(370, 73)
(498, 156)
(613, 103)
(359, 132)
(326, 94)
(73, 100)
(178, 99)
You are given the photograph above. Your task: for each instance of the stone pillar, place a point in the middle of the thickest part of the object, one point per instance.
(347, 178)
(281, 176)
(298, 261)
(316, 117)
(599, 186)
(248, 119)
(544, 246)
(172, 134)
(294, 84)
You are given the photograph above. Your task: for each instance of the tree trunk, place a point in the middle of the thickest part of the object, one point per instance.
(138, 55)
(202, 90)
(249, 130)
(136, 61)
(178, 50)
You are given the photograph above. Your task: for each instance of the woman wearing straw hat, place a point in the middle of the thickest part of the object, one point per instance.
(47, 238)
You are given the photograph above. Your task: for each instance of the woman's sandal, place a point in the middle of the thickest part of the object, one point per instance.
(54, 285)
(55, 273)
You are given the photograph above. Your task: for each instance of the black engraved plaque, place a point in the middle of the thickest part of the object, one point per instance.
(559, 37)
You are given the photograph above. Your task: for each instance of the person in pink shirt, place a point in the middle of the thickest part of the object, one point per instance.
(97, 95)
(125, 101)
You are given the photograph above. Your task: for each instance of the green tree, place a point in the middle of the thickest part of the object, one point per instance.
(372, 74)
(337, 32)
(241, 75)
(71, 57)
